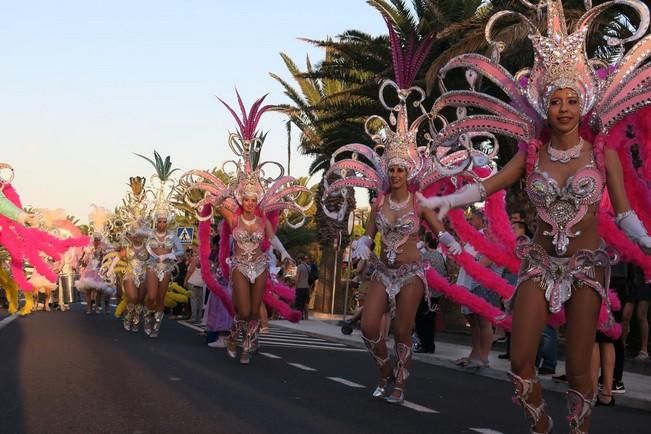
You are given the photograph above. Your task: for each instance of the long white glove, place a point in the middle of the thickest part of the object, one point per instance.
(278, 246)
(630, 223)
(466, 196)
(450, 242)
(362, 248)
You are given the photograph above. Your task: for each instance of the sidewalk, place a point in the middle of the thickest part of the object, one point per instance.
(638, 387)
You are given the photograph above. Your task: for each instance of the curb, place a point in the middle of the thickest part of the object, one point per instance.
(633, 400)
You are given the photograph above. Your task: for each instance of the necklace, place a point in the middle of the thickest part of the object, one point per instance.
(247, 222)
(400, 205)
(567, 155)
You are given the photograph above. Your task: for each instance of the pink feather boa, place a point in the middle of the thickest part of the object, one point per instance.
(460, 295)
(29, 244)
(204, 258)
(487, 248)
(484, 276)
(499, 222)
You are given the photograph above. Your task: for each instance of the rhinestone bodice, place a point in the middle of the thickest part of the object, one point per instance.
(396, 234)
(562, 207)
(248, 239)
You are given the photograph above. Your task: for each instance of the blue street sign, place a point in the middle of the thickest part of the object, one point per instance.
(185, 234)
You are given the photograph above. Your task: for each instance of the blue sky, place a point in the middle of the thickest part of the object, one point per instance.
(84, 84)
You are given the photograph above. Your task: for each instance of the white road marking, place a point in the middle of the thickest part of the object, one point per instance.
(271, 356)
(302, 367)
(191, 326)
(318, 347)
(418, 408)
(298, 340)
(5, 322)
(346, 382)
(485, 431)
(175, 379)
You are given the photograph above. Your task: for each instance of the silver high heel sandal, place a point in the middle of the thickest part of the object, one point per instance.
(158, 320)
(231, 345)
(579, 408)
(135, 318)
(382, 388)
(400, 373)
(523, 389)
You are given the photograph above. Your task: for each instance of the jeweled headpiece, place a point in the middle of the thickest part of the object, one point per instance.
(161, 188)
(134, 211)
(561, 61)
(277, 193)
(395, 140)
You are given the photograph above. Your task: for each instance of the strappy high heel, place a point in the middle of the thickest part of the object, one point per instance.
(523, 388)
(400, 373)
(380, 391)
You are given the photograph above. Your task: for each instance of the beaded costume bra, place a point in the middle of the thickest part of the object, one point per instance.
(396, 234)
(247, 242)
(562, 207)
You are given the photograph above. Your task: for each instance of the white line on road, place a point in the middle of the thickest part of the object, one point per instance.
(5, 322)
(346, 382)
(264, 338)
(318, 347)
(271, 356)
(302, 367)
(191, 326)
(485, 431)
(418, 408)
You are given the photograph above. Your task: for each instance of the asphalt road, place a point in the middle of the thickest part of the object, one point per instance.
(64, 372)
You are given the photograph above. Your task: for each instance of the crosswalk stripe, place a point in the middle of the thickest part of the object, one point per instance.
(317, 347)
(301, 341)
(485, 431)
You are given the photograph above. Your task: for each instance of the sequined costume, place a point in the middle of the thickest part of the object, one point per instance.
(605, 95)
(251, 236)
(562, 207)
(401, 146)
(163, 263)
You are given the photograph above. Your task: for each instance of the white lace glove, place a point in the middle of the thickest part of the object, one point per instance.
(362, 248)
(278, 246)
(466, 196)
(448, 241)
(630, 223)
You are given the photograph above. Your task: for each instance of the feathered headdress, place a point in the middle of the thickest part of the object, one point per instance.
(100, 221)
(395, 141)
(561, 61)
(161, 188)
(274, 194)
(134, 212)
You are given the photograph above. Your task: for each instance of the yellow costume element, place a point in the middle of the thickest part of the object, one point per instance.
(176, 294)
(119, 309)
(11, 289)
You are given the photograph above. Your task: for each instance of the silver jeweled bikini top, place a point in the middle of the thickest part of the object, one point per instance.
(396, 234)
(563, 207)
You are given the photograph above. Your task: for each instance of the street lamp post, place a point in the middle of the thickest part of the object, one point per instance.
(351, 225)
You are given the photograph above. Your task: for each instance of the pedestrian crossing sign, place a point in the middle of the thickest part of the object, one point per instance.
(185, 234)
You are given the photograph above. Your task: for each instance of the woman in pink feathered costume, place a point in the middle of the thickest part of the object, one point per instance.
(250, 206)
(394, 169)
(555, 108)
